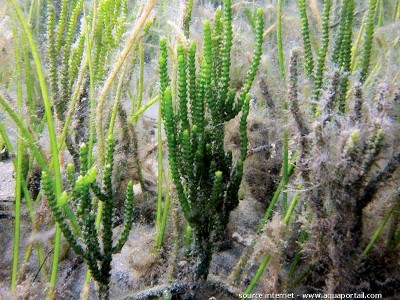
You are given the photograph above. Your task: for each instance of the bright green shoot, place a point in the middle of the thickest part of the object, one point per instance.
(279, 39)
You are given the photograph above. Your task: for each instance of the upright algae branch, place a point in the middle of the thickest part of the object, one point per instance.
(341, 156)
(97, 250)
(206, 177)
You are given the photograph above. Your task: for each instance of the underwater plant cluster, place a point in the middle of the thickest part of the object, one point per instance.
(201, 149)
